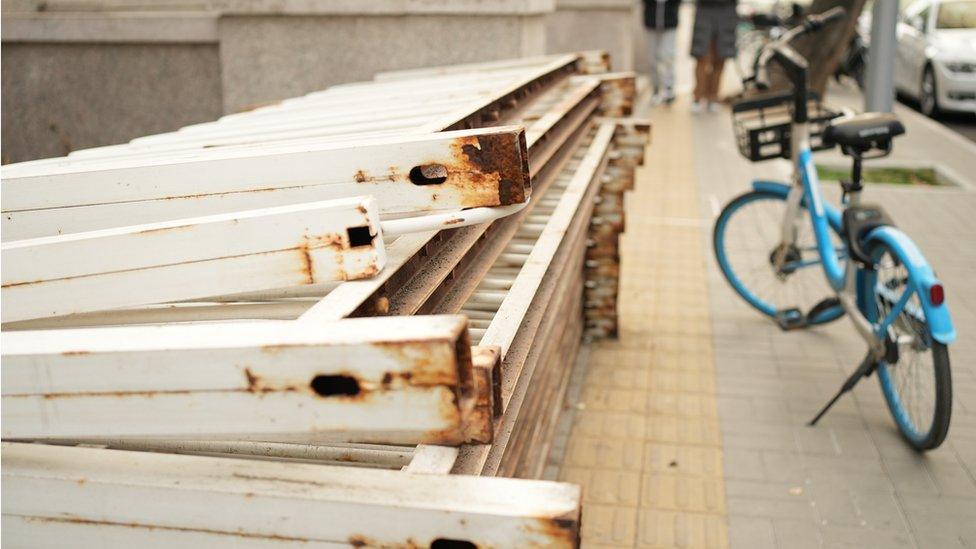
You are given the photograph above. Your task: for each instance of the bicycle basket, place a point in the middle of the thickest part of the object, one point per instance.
(762, 125)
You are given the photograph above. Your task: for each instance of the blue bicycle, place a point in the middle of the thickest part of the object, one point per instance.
(770, 240)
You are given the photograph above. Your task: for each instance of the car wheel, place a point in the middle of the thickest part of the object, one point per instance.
(928, 98)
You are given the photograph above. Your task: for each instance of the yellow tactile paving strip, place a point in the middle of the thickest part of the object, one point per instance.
(645, 443)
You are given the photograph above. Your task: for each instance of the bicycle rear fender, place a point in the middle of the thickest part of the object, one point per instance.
(921, 274)
(783, 190)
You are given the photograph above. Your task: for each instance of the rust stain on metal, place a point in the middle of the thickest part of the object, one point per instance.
(253, 381)
(368, 271)
(488, 170)
(490, 358)
(447, 409)
(307, 269)
(165, 229)
(361, 176)
(387, 382)
(462, 353)
(560, 531)
(496, 153)
(75, 353)
(479, 410)
(426, 364)
(203, 195)
(73, 519)
(334, 241)
(26, 283)
(359, 540)
(258, 385)
(381, 305)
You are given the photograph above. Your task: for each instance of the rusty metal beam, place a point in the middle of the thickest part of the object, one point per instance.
(111, 497)
(470, 272)
(279, 309)
(428, 272)
(271, 248)
(519, 279)
(521, 310)
(391, 380)
(407, 175)
(333, 453)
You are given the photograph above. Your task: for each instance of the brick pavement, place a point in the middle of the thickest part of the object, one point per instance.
(690, 430)
(645, 444)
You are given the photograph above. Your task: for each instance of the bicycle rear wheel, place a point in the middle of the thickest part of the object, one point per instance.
(918, 385)
(747, 234)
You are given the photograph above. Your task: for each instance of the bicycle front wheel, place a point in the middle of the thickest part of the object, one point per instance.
(747, 239)
(917, 384)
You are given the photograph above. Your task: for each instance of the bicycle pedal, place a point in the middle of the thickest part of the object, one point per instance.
(790, 319)
(822, 307)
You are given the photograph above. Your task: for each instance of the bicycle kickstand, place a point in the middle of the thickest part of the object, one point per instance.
(864, 370)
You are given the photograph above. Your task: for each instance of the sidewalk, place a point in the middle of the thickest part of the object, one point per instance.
(693, 358)
(645, 444)
(701, 379)
(851, 480)
(926, 143)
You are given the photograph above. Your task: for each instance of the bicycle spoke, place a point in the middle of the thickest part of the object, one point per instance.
(913, 373)
(752, 235)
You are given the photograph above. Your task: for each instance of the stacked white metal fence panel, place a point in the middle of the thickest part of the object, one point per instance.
(182, 314)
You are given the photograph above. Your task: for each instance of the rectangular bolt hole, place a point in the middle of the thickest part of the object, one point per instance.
(359, 236)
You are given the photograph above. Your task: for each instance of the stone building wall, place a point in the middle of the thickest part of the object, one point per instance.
(84, 73)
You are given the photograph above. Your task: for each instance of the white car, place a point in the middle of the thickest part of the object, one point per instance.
(936, 57)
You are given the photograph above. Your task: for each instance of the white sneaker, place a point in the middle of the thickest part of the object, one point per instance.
(712, 107)
(697, 107)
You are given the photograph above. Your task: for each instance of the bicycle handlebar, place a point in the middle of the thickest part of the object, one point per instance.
(811, 23)
(816, 21)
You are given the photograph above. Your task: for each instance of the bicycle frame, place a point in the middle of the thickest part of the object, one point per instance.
(875, 270)
(847, 280)
(843, 278)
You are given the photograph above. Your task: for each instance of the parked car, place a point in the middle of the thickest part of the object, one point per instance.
(936, 56)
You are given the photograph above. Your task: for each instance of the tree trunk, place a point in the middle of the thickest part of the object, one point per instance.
(825, 48)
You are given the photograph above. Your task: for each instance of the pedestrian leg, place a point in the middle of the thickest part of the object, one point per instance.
(702, 71)
(715, 78)
(653, 53)
(665, 63)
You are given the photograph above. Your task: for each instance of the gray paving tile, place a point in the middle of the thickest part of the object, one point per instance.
(855, 537)
(743, 464)
(835, 441)
(797, 534)
(951, 476)
(773, 508)
(751, 532)
(765, 489)
(838, 506)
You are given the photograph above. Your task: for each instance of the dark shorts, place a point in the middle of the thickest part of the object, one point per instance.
(714, 23)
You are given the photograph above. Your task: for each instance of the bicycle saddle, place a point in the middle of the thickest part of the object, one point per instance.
(863, 132)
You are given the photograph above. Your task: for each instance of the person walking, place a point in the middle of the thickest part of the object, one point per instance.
(712, 42)
(660, 24)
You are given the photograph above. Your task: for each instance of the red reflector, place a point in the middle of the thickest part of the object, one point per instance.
(936, 294)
